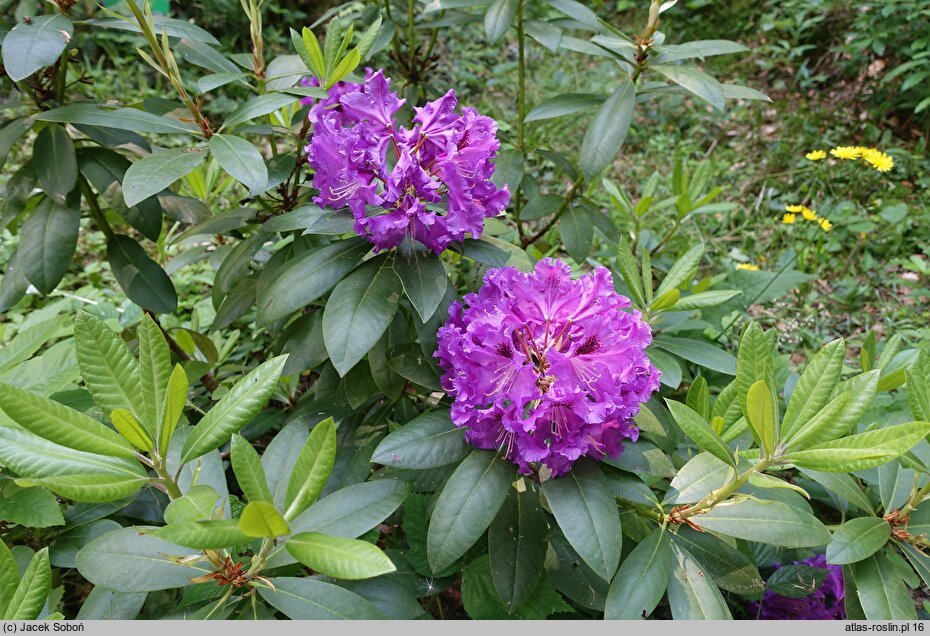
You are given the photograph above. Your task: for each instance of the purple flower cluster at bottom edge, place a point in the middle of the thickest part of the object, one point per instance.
(825, 603)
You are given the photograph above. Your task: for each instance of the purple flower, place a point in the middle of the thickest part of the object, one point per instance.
(431, 182)
(336, 91)
(824, 603)
(546, 368)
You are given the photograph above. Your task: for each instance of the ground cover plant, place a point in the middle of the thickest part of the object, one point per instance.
(450, 309)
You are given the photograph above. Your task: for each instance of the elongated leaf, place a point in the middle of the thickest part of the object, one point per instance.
(692, 594)
(248, 469)
(309, 276)
(606, 133)
(760, 412)
(700, 431)
(121, 118)
(260, 519)
(131, 430)
(700, 352)
(731, 569)
(338, 557)
(843, 486)
(562, 105)
(31, 46)
(29, 599)
(703, 300)
(881, 592)
(642, 579)
(312, 468)
(577, 232)
(311, 599)
(55, 162)
(29, 455)
(241, 160)
(175, 399)
(149, 176)
(9, 577)
(517, 547)
(770, 522)
(154, 371)
(424, 279)
(682, 269)
(694, 81)
(466, 506)
(359, 310)
(237, 408)
(918, 387)
(47, 241)
(754, 361)
(60, 424)
(840, 415)
(812, 392)
(162, 25)
(428, 441)
(143, 280)
(587, 514)
(498, 18)
(858, 539)
(257, 107)
(697, 478)
(865, 450)
(203, 535)
(130, 560)
(88, 487)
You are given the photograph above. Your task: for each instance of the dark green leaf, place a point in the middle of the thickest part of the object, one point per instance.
(429, 441)
(858, 539)
(33, 45)
(641, 580)
(55, 162)
(517, 547)
(605, 135)
(47, 241)
(154, 173)
(143, 280)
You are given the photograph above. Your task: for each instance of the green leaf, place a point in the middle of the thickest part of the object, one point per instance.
(247, 467)
(88, 487)
(338, 557)
(30, 507)
(498, 18)
(698, 351)
(918, 387)
(60, 424)
(197, 504)
(770, 522)
(813, 389)
(175, 399)
(865, 450)
(562, 105)
(30, 455)
(55, 162)
(732, 91)
(143, 280)
(838, 416)
(428, 441)
(577, 232)
(517, 547)
(682, 270)
(359, 310)
(700, 431)
(692, 594)
(468, 503)
(46, 243)
(131, 430)
(258, 107)
(352, 511)
(881, 591)
(694, 81)
(730, 569)
(642, 579)
(9, 577)
(204, 535)
(130, 560)
(149, 176)
(480, 600)
(237, 408)
(629, 270)
(858, 539)
(154, 373)
(760, 412)
(312, 468)
(89, 114)
(586, 512)
(754, 362)
(348, 64)
(424, 279)
(34, 587)
(260, 519)
(241, 160)
(698, 397)
(32, 46)
(311, 599)
(843, 486)
(605, 135)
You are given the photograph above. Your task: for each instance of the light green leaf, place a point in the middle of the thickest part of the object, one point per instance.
(247, 467)
(339, 557)
(858, 539)
(813, 389)
(60, 424)
(682, 269)
(700, 431)
(154, 373)
(843, 486)
(312, 468)
(729, 568)
(237, 408)
(770, 522)
(175, 399)
(131, 430)
(702, 300)
(204, 535)
(88, 487)
(881, 591)
(257, 107)
(109, 370)
(260, 519)
(149, 176)
(34, 587)
(562, 105)
(641, 580)
(918, 387)
(838, 416)
(9, 577)
(132, 119)
(865, 450)
(760, 412)
(29, 455)
(498, 18)
(197, 504)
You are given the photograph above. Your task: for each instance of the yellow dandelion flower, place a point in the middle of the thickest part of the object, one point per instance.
(879, 160)
(808, 214)
(847, 152)
(795, 209)
(816, 155)
(825, 225)
(749, 267)
(788, 219)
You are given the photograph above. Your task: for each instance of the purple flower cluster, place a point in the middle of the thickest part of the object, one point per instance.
(546, 368)
(431, 182)
(824, 603)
